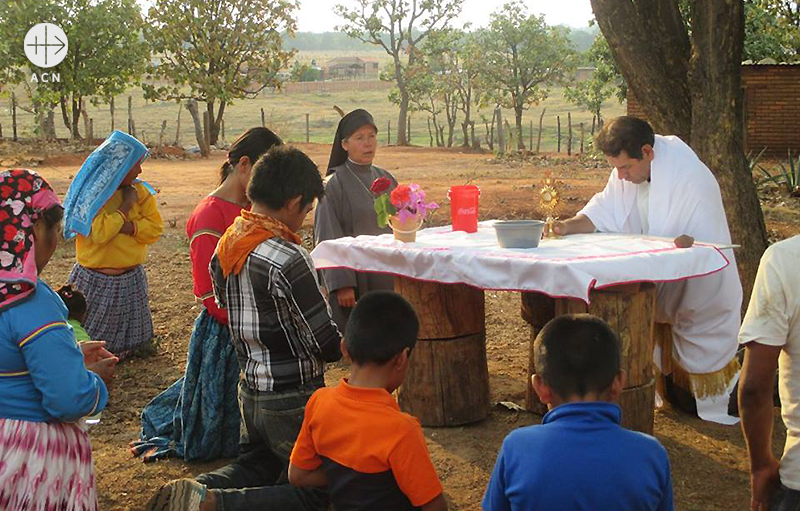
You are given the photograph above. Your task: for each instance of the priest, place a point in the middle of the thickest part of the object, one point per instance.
(660, 187)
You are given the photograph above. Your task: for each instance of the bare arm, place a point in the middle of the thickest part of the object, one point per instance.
(437, 504)
(579, 224)
(300, 477)
(756, 388)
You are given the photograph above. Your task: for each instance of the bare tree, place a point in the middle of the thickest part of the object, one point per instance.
(397, 26)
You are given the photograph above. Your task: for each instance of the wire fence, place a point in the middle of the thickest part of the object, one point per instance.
(306, 112)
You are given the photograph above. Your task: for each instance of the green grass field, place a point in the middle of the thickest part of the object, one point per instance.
(285, 113)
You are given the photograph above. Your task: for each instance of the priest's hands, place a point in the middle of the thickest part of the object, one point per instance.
(560, 228)
(346, 297)
(684, 241)
(579, 224)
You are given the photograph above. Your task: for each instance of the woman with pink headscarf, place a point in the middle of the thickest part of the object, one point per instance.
(45, 386)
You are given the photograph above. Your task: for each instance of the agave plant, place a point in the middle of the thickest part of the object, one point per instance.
(789, 175)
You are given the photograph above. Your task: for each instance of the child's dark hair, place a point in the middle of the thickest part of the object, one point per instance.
(625, 133)
(577, 354)
(381, 325)
(74, 300)
(282, 174)
(252, 143)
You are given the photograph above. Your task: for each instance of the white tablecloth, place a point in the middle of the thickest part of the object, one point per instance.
(567, 267)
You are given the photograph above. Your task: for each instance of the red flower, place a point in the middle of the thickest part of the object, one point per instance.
(380, 185)
(3, 216)
(6, 191)
(400, 195)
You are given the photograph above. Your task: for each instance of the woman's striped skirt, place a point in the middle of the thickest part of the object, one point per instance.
(45, 467)
(118, 309)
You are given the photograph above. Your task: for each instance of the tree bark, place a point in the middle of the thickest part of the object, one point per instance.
(650, 44)
(518, 117)
(402, 118)
(717, 125)
(198, 127)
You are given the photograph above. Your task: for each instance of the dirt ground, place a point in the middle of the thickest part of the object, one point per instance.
(709, 464)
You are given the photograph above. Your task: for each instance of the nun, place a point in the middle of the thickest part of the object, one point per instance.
(347, 209)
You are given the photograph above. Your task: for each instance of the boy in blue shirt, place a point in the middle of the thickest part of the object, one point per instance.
(579, 458)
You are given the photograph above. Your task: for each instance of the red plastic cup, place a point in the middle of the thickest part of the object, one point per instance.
(464, 207)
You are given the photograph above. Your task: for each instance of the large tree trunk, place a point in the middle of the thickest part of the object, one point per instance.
(717, 125)
(649, 42)
(698, 100)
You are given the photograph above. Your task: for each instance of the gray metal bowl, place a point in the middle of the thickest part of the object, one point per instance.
(519, 233)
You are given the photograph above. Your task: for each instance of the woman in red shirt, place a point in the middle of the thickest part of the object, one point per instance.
(172, 423)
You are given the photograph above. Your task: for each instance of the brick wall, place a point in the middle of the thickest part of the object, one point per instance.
(772, 108)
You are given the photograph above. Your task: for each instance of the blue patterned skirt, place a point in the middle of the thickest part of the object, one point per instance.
(197, 417)
(118, 309)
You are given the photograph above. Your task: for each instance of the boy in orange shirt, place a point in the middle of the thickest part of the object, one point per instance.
(354, 438)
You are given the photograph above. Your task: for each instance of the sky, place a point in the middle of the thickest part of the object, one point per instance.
(317, 15)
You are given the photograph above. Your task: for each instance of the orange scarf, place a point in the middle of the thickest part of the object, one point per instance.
(247, 232)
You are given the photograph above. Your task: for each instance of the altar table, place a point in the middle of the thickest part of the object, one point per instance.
(444, 275)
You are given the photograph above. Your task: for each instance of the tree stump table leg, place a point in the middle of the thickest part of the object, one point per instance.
(630, 311)
(448, 379)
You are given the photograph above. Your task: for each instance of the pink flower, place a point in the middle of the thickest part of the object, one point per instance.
(380, 185)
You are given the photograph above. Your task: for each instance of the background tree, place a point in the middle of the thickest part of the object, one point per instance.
(772, 30)
(397, 26)
(217, 51)
(590, 94)
(523, 56)
(690, 86)
(105, 53)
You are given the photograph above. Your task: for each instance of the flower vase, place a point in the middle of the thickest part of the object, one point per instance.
(406, 230)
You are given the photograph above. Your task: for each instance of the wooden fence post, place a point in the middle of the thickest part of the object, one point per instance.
(582, 137)
(593, 118)
(569, 134)
(131, 127)
(389, 133)
(558, 119)
(408, 131)
(111, 107)
(530, 138)
(308, 134)
(178, 129)
(91, 131)
(161, 135)
(223, 129)
(263, 119)
(539, 135)
(1, 131)
(14, 116)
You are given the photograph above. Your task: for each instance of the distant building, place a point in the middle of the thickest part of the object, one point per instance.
(584, 73)
(351, 68)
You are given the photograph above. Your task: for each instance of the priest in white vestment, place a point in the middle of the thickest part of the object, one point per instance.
(660, 187)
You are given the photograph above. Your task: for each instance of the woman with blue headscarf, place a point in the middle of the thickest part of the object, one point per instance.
(115, 218)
